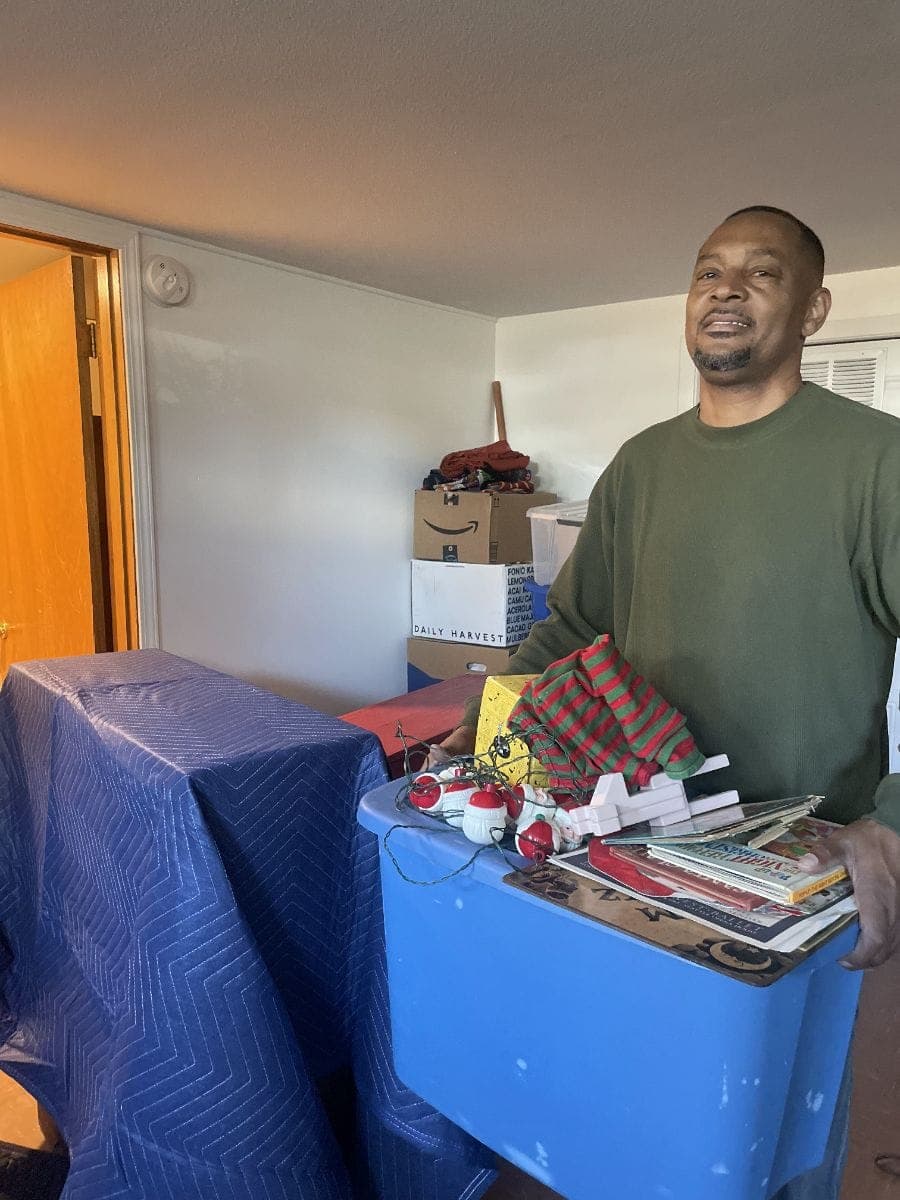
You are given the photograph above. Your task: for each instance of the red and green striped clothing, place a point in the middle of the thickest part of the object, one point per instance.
(591, 713)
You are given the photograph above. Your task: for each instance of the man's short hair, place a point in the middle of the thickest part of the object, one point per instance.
(811, 241)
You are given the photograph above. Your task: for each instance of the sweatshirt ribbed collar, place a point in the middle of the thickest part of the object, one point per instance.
(771, 425)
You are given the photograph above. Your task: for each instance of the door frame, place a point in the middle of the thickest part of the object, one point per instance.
(39, 218)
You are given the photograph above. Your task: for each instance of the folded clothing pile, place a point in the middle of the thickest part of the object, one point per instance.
(493, 468)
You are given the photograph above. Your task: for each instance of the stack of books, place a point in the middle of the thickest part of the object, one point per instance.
(736, 873)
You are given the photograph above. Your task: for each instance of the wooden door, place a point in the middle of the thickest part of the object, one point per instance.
(51, 569)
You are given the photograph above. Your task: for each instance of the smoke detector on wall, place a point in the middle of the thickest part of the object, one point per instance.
(166, 280)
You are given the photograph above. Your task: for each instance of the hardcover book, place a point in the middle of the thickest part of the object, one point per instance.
(758, 870)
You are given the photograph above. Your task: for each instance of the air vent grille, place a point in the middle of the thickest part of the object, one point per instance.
(858, 376)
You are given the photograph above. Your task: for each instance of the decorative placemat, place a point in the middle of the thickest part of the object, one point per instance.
(677, 934)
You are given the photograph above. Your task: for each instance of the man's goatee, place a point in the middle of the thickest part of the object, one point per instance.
(731, 360)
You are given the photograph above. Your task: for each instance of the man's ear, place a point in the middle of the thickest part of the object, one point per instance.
(817, 310)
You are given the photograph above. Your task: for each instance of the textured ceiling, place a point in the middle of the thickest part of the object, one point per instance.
(505, 156)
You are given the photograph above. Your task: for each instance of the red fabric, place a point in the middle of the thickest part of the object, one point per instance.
(498, 456)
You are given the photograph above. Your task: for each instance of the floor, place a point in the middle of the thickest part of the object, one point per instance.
(19, 1116)
(875, 1126)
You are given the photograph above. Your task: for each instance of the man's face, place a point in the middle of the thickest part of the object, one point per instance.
(754, 298)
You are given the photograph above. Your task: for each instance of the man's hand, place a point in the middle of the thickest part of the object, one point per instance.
(871, 853)
(460, 741)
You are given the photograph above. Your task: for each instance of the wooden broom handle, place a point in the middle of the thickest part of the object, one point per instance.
(497, 396)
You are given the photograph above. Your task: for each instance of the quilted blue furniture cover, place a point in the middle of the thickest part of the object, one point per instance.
(192, 972)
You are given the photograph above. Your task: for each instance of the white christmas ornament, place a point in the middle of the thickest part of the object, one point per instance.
(536, 804)
(570, 837)
(484, 818)
(456, 794)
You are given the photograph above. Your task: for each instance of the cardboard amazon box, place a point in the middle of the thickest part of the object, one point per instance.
(474, 527)
(471, 602)
(429, 661)
(493, 744)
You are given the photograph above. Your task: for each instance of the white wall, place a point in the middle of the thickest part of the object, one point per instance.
(291, 417)
(290, 420)
(280, 423)
(580, 382)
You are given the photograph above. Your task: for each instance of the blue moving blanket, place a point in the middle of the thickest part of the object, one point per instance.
(192, 971)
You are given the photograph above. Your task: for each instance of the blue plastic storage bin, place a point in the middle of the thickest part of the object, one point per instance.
(601, 1065)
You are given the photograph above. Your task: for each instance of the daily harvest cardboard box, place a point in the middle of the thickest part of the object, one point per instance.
(493, 744)
(474, 527)
(429, 662)
(471, 602)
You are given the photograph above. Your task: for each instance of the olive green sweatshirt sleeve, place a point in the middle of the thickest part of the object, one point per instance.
(877, 559)
(580, 598)
(887, 802)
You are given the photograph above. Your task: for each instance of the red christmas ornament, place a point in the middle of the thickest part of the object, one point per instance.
(485, 798)
(425, 793)
(538, 840)
(515, 799)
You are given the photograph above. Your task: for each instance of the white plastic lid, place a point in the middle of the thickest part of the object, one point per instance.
(571, 512)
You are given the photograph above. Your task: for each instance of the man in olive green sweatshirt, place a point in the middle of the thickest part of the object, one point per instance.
(745, 557)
